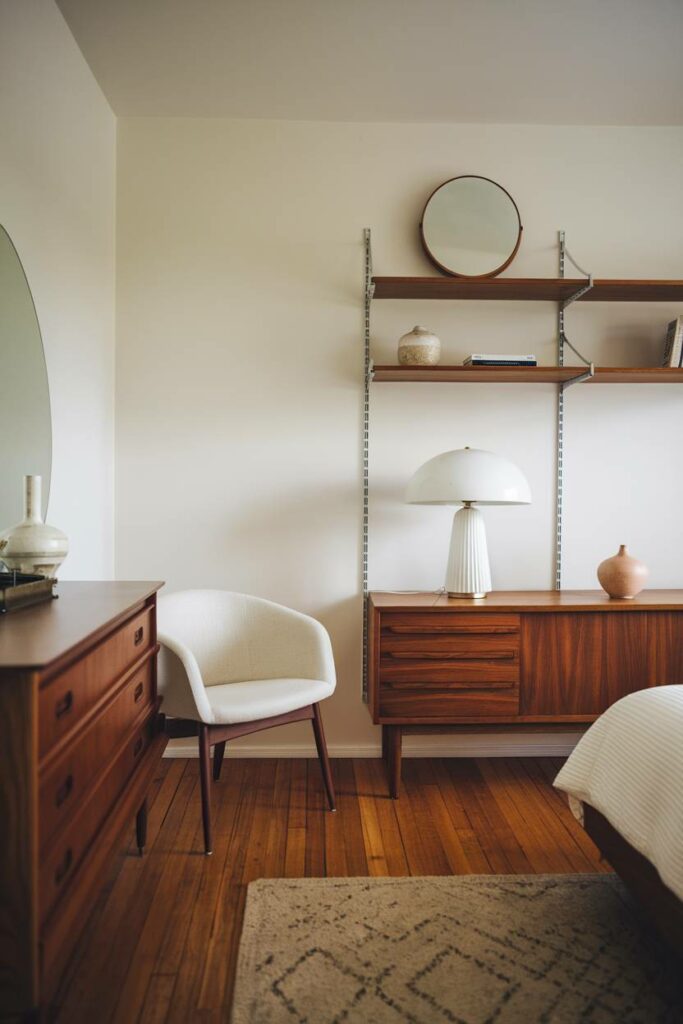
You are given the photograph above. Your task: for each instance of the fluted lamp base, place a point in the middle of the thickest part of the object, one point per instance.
(468, 573)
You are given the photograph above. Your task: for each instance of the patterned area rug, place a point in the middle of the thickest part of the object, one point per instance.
(472, 949)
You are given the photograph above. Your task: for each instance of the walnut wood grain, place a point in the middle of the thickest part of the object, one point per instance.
(452, 623)
(19, 980)
(529, 600)
(517, 659)
(96, 702)
(53, 633)
(67, 780)
(526, 374)
(68, 697)
(535, 289)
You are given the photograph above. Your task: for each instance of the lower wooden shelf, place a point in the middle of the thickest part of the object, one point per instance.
(528, 374)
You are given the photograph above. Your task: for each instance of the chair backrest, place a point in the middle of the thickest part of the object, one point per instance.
(233, 637)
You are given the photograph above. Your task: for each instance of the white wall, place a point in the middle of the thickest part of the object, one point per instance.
(239, 371)
(57, 196)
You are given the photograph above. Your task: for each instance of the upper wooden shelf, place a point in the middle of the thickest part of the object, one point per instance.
(526, 288)
(530, 374)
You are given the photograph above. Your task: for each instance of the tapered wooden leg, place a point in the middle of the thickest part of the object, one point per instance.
(319, 734)
(391, 751)
(141, 827)
(205, 780)
(218, 752)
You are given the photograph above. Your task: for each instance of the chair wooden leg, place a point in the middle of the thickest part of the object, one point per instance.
(141, 827)
(205, 780)
(319, 734)
(218, 752)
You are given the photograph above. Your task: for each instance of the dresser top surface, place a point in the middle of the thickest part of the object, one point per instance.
(530, 600)
(32, 638)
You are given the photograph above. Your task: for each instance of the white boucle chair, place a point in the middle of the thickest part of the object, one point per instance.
(231, 664)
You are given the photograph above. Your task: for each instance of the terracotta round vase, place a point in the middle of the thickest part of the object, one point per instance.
(622, 576)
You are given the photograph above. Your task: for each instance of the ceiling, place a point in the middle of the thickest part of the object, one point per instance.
(497, 61)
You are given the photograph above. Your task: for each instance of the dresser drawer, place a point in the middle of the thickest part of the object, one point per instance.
(449, 623)
(433, 673)
(61, 860)
(413, 704)
(65, 783)
(450, 647)
(64, 700)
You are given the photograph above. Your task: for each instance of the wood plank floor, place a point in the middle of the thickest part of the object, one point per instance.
(161, 942)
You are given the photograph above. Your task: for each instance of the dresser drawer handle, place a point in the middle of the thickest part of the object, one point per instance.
(139, 636)
(139, 690)
(64, 704)
(63, 869)
(64, 791)
(138, 746)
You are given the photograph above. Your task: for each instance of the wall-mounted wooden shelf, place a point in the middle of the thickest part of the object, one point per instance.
(534, 289)
(529, 374)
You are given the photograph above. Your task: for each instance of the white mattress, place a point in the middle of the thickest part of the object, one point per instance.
(629, 766)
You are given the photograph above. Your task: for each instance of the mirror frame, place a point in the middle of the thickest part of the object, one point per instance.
(456, 273)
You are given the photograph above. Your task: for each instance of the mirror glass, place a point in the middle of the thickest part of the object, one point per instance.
(471, 227)
(25, 421)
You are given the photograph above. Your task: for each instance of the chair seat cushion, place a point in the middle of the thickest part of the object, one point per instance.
(263, 698)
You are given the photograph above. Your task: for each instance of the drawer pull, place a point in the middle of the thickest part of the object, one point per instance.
(139, 636)
(139, 690)
(64, 704)
(138, 746)
(446, 629)
(63, 868)
(501, 655)
(64, 791)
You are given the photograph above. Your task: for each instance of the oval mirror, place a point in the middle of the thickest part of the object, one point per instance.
(471, 227)
(25, 422)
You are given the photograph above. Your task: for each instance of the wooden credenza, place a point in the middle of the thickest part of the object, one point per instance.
(525, 660)
(79, 745)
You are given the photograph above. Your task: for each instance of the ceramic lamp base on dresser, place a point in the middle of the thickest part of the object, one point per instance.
(524, 661)
(80, 742)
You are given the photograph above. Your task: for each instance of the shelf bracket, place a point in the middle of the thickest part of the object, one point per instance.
(580, 378)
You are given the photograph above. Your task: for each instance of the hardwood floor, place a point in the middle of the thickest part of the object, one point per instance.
(161, 942)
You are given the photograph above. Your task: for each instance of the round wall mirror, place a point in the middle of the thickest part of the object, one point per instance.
(471, 227)
(25, 421)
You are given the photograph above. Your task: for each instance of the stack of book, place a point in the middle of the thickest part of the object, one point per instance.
(673, 350)
(493, 359)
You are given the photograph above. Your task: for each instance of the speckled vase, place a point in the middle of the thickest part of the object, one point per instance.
(419, 348)
(621, 575)
(33, 546)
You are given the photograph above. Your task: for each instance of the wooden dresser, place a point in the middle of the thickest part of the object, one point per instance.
(79, 745)
(525, 660)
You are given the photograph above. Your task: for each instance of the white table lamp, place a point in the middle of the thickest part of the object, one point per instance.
(466, 477)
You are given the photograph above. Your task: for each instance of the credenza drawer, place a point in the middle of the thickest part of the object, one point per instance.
(453, 623)
(452, 646)
(64, 700)
(62, 860)
(421, 703)
(431, 672)
(66, 781)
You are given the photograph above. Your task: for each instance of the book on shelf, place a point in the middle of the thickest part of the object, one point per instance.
(499, 359)
(673, 349)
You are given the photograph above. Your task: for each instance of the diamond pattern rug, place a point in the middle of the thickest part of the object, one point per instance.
(469, 950)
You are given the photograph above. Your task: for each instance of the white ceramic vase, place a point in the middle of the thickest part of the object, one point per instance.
(419, 348)
(32, 546)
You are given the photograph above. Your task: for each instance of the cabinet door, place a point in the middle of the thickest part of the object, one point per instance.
(578, 663)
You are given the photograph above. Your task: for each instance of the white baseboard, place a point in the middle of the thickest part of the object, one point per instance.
(524, 745)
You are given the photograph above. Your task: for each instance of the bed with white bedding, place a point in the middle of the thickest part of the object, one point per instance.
(624, 780)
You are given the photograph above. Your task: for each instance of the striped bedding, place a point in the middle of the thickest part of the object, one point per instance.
(629, 766)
